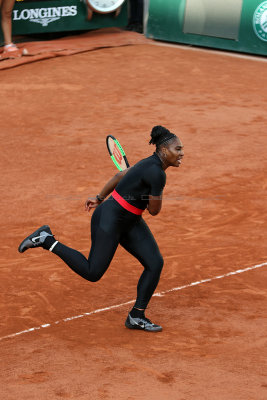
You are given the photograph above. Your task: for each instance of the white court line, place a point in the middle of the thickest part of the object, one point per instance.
(159, 294)
(198, 48)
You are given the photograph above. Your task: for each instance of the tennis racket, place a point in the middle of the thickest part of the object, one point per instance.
(116, 153)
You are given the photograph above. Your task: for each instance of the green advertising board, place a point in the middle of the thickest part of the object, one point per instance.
(239, 25)
(61, 15)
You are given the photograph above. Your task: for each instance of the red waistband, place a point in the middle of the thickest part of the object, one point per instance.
(125, 204)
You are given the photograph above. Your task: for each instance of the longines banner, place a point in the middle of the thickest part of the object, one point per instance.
(30, 16)
(239, 25)
(44, 16)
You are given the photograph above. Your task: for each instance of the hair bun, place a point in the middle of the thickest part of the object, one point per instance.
(158, 134)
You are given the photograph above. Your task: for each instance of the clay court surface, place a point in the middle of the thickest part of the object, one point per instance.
(55, 115)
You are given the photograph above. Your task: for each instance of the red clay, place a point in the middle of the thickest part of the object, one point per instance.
(55, 115)
(68, 45)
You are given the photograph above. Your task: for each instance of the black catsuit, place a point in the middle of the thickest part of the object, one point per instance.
(112, 225)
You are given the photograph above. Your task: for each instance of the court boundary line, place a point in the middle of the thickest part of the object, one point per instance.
(211, 50)
(158, 294)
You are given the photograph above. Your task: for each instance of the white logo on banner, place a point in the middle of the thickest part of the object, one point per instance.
(44, 16)
(260, 21)
(44, 21)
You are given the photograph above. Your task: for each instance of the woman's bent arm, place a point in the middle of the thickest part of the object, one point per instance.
(107, 189)
(154, 204)
(112, 183)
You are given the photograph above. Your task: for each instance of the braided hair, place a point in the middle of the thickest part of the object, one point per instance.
(160, 135)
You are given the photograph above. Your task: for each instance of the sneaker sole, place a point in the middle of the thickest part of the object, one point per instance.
(21, 247)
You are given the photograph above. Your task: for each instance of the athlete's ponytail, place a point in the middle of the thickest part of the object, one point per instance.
(160, 135)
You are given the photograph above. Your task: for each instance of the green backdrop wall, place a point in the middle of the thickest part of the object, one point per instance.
(239, 25)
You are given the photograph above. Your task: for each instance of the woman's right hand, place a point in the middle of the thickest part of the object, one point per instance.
(91, 203)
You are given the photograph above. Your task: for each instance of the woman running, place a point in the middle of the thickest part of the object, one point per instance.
(118, 220)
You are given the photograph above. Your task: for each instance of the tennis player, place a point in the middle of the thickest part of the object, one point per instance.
(118, 220)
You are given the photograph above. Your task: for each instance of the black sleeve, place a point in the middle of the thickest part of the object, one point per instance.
(155, 177)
